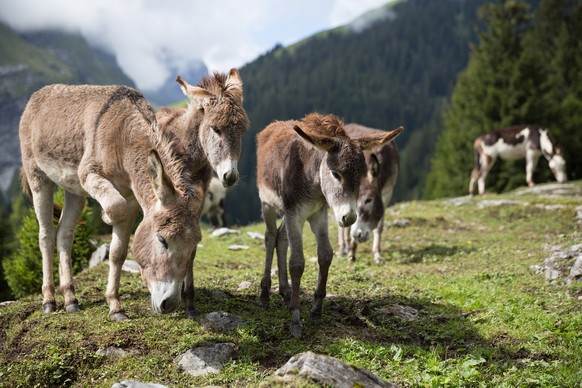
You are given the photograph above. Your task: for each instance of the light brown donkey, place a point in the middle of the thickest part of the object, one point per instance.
(210, 128)
(376, 190)
(304, 167)
(104, 142)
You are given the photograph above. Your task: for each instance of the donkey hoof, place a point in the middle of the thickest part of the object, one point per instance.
(191, 313)
(315, 317)
(351, 259)
(378, 259)
(119, 316)
(49, 307)
(72, 307)
(296, 330)
(264, 303)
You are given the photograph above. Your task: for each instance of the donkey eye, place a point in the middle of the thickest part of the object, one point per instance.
(336, 175)
(216, 130)
(368, 200)
(163, 242)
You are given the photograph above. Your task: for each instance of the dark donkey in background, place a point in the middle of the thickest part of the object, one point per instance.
(211, 129)
(376, 188)
(511, 143)
(302, 168)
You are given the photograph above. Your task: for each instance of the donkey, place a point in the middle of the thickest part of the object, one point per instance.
(376, 189)
(302, 168)
(211, 129)
(214, 203)
(104, 142)
(511, 143)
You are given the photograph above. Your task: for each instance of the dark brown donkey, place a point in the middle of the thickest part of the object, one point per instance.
(304, 167)
(376, 190)
(211, 128)
(104, 142)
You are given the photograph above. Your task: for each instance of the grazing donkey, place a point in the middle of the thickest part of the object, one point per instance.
(511, 143)
(376, 189)
(104, 142)
(302, 168)
(211, 129)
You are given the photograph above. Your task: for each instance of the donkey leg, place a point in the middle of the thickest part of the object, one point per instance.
(377, 242)
(319, 227)
(42, 198)
(270, 240)
(117, 255)
(282, 246)
(189, 288)
(352, 250)
(486, 165)
(114, 205)
(296, 267)
(72, 210)
(532, 157)
(343, 238)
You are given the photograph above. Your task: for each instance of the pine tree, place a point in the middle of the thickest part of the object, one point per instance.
(483, 100)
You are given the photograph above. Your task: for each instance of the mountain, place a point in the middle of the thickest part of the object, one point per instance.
(396, 65)
(31, 60)
(169, 92)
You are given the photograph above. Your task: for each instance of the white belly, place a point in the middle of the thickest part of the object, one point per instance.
(506, 151)
(64, 176)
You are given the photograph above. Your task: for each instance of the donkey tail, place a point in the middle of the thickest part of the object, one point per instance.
(57, 209)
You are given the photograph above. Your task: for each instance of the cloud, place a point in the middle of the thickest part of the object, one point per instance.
(151, 38)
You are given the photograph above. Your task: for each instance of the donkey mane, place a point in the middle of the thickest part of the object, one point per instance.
(228, 97)
(175, 159)
(328, 125)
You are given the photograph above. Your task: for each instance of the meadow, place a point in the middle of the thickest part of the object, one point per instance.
(455, 303)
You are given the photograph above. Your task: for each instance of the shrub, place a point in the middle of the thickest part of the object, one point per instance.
(23, 269)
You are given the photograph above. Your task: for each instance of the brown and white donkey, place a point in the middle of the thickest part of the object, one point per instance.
(512, 143)
(376, 188)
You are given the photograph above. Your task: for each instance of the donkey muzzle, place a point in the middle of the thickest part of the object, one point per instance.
(166, 296)
(227, 172)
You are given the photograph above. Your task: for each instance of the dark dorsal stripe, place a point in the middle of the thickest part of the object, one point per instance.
(123, 92)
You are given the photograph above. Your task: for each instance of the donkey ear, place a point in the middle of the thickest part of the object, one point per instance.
(374, 166)
(233, 84)
(369, 143)
(200, 97)
(320, 142)
(163, 188)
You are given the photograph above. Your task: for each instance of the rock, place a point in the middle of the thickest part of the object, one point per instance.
(576, 270)
(99, 255)
(562, 263)
(402, 223)
(217, 294)
(244, 285)
(238, 247)
(327, 370)
(256, 236)
(499, 202)
(207, 359)
(130, 266)
(136, 384)
(6, 303)
(222, 231)
(220, 321)
(404, 313)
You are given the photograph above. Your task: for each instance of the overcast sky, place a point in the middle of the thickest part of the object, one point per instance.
(146, 35)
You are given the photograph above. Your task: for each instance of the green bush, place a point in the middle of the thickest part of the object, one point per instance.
(23, 269)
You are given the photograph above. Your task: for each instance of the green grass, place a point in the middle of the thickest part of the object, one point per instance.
(484, 318)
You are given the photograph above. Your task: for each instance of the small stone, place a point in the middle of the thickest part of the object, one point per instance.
(114, 352)
(238, 247)
(222, 231)
(220, 321)
(207, 359)
(244, 285)
(256, 236)
(99, 255)
(131, 266)
(136, 384)
(402, 223)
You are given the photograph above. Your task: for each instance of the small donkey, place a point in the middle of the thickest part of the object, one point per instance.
(302, 168)
(376, 190)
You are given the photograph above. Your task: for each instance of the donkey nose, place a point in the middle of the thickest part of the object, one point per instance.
(348, 219)
(229, 178)
(168, 305)
(361, 235)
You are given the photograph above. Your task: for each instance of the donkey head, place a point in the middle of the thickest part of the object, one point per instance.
(558, 167)
(221, 99)
(166, 238)
(343, 165)
(370, 207)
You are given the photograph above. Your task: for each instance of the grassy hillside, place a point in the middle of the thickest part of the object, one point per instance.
(483, 316)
